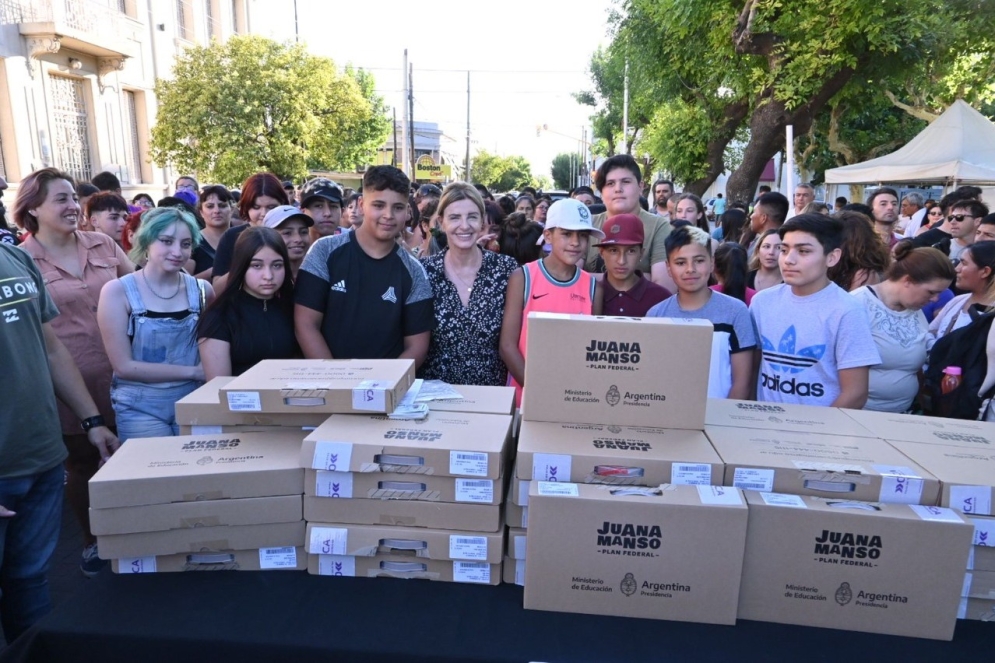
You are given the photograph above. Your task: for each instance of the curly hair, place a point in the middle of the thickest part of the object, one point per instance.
(863, 252)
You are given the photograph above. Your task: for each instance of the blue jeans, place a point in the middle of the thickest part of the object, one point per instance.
(147, 410)
(27, 542)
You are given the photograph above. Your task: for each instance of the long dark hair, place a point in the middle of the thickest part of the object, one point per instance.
(730, 266)
(518, 238)
(222, 310)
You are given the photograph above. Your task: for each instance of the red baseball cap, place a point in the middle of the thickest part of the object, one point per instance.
(622, 230)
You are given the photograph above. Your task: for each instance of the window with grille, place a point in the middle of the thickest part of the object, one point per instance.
(132, 145)
(70, 125)
(181, 20)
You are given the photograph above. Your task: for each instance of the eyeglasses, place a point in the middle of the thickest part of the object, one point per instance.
(960, 217)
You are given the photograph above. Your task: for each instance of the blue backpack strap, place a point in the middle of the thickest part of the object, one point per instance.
(134, 301)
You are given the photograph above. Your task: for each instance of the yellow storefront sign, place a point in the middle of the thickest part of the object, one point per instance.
(427, 169)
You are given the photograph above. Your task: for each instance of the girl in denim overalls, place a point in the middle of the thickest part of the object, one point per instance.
(148, 321)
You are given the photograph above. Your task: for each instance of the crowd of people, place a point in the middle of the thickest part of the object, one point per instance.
(113, 309)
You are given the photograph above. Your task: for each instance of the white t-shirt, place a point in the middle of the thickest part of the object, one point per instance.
(807, 340)
(901, 339)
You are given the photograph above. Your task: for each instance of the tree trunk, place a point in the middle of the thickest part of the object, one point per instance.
(734, 115)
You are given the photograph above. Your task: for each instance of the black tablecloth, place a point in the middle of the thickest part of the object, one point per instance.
(285, 616)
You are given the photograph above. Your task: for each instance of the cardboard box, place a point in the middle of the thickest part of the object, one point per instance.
(519, 492)
(369, 540)
(982, 610)
(850, 468)
(437, 515)
(349, 386)
(202, 408)
(979, 585)
(619, 455)
(201, 540)
(674, 552)
(389, 486)
(406, 567)
(515, 515)
(981, 558)
(968, 475)
(930, 430)
(513, 572)
(622, 371)
(782, 417)
(192, 468)
(286, 558)
(878, 568)
(516, 543)
(242, 428)
(444, 444)
(477, 399)
(209, 513)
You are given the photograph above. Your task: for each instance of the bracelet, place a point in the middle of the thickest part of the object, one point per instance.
(92, 422)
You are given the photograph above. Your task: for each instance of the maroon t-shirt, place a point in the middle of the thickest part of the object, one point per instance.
(634, 302)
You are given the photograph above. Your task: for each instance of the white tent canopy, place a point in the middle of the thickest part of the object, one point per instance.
(957, 147)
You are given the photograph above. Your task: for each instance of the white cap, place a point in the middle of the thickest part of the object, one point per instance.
(570, 214)
(278, 215)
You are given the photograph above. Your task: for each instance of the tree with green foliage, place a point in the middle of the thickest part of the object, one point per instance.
(501, 173)
(563, 166)
(721, 66)
(252, 104)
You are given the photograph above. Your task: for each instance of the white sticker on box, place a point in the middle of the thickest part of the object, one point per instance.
(328, 541)
(520, 541)
(244, 401)
(691, 474)
(749, 478)
(468, 463)
(972, 500)
(370, 396)
(520, 572)
(525, 517)
(479, 572)
(551, 467)
(965, 589)
(334, 456)
(336, 565)
(475, 490)
(554, 488)
(780, 499)
(900, 490)
(333, 484)
(962, 609)
(467, 547)
(136, 565)
(523, 492)
(984, 532)
(936, 513)
(206, 430)
(819, 466)
(719, 495)
(278, 558)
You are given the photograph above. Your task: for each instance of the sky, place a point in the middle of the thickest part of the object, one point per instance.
(525, 59)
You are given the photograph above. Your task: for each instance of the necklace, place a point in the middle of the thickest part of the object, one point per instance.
(468, 286)
(175, 292)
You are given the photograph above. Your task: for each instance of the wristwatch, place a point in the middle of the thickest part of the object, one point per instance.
(92, 422)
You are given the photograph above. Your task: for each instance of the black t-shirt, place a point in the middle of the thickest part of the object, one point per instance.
(369, 304)
(254, 329)
(203, 256)
(226, 247)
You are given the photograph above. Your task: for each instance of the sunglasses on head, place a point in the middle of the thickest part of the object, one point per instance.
(960, 217)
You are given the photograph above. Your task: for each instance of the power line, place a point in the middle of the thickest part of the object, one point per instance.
(475, 71)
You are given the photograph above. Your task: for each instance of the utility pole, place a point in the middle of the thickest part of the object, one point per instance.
(411, 115)
(404, 125)
(466, 175)
(625, 108)
(393, 155)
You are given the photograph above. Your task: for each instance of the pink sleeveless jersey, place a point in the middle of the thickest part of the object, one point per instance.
(545, 294)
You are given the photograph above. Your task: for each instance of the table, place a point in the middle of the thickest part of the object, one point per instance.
(288, 616)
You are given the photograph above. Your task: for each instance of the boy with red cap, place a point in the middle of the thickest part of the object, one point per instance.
(626, 291)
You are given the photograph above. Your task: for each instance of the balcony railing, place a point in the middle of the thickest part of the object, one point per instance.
(88, 16)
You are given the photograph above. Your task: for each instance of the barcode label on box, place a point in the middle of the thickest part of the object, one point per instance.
(333, 456)
(467, 547)
(468, 463)
(479, 572)
(244, 401)
(553, 488)
(370, 396)
(936, 513)
(336, 565)
(719, 495)
(691, 474)
(206, 430)
(328, 541)
(551, 467)
(278, 558)
(333, 484)
(972, 500)
(475, 490)
(780, 499)
(136, 565)
(749, 478)
(984, 532)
